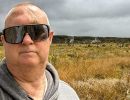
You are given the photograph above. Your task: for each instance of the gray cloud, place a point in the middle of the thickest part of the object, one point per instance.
(75, 9)
(82, 17)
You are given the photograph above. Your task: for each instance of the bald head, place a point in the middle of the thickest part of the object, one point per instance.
(25, 13)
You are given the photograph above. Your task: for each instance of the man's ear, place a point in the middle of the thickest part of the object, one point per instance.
(51, 36)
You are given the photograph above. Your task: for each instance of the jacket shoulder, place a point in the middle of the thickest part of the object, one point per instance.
(66, 92)
(4, 95)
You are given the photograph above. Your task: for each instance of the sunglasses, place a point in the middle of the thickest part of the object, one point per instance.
(15, 34)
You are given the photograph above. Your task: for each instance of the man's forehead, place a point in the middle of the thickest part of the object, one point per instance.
(24, 9)
(20, 14)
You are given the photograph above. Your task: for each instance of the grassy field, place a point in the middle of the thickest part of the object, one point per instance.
(96, 72)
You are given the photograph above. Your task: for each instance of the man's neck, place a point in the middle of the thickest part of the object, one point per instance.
(31, 79)
(35, 89)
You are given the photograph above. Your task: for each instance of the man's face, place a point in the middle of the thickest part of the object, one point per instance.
(28, 52)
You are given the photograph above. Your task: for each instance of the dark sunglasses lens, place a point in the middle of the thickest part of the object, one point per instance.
(14, 34)
(39, 32)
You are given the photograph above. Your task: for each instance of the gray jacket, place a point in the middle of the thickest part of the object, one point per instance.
(56, 89)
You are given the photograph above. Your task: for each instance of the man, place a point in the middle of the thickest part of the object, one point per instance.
(25, 73)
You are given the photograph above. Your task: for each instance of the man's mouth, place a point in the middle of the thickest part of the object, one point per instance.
(27, 52)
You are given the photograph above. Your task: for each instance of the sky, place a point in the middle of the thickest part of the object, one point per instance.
(97, 18)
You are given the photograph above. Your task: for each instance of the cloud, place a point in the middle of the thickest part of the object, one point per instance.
(83, 17)
(93, 8)
(96, 18)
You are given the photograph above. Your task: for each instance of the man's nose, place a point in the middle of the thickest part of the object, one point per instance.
(27, 40)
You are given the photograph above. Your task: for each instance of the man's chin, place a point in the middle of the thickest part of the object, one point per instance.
(29, 61)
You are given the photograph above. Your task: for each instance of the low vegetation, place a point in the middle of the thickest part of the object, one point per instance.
(95, 71)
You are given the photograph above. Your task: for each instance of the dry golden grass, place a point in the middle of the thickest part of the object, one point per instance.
(95, 72)
(103, 89)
